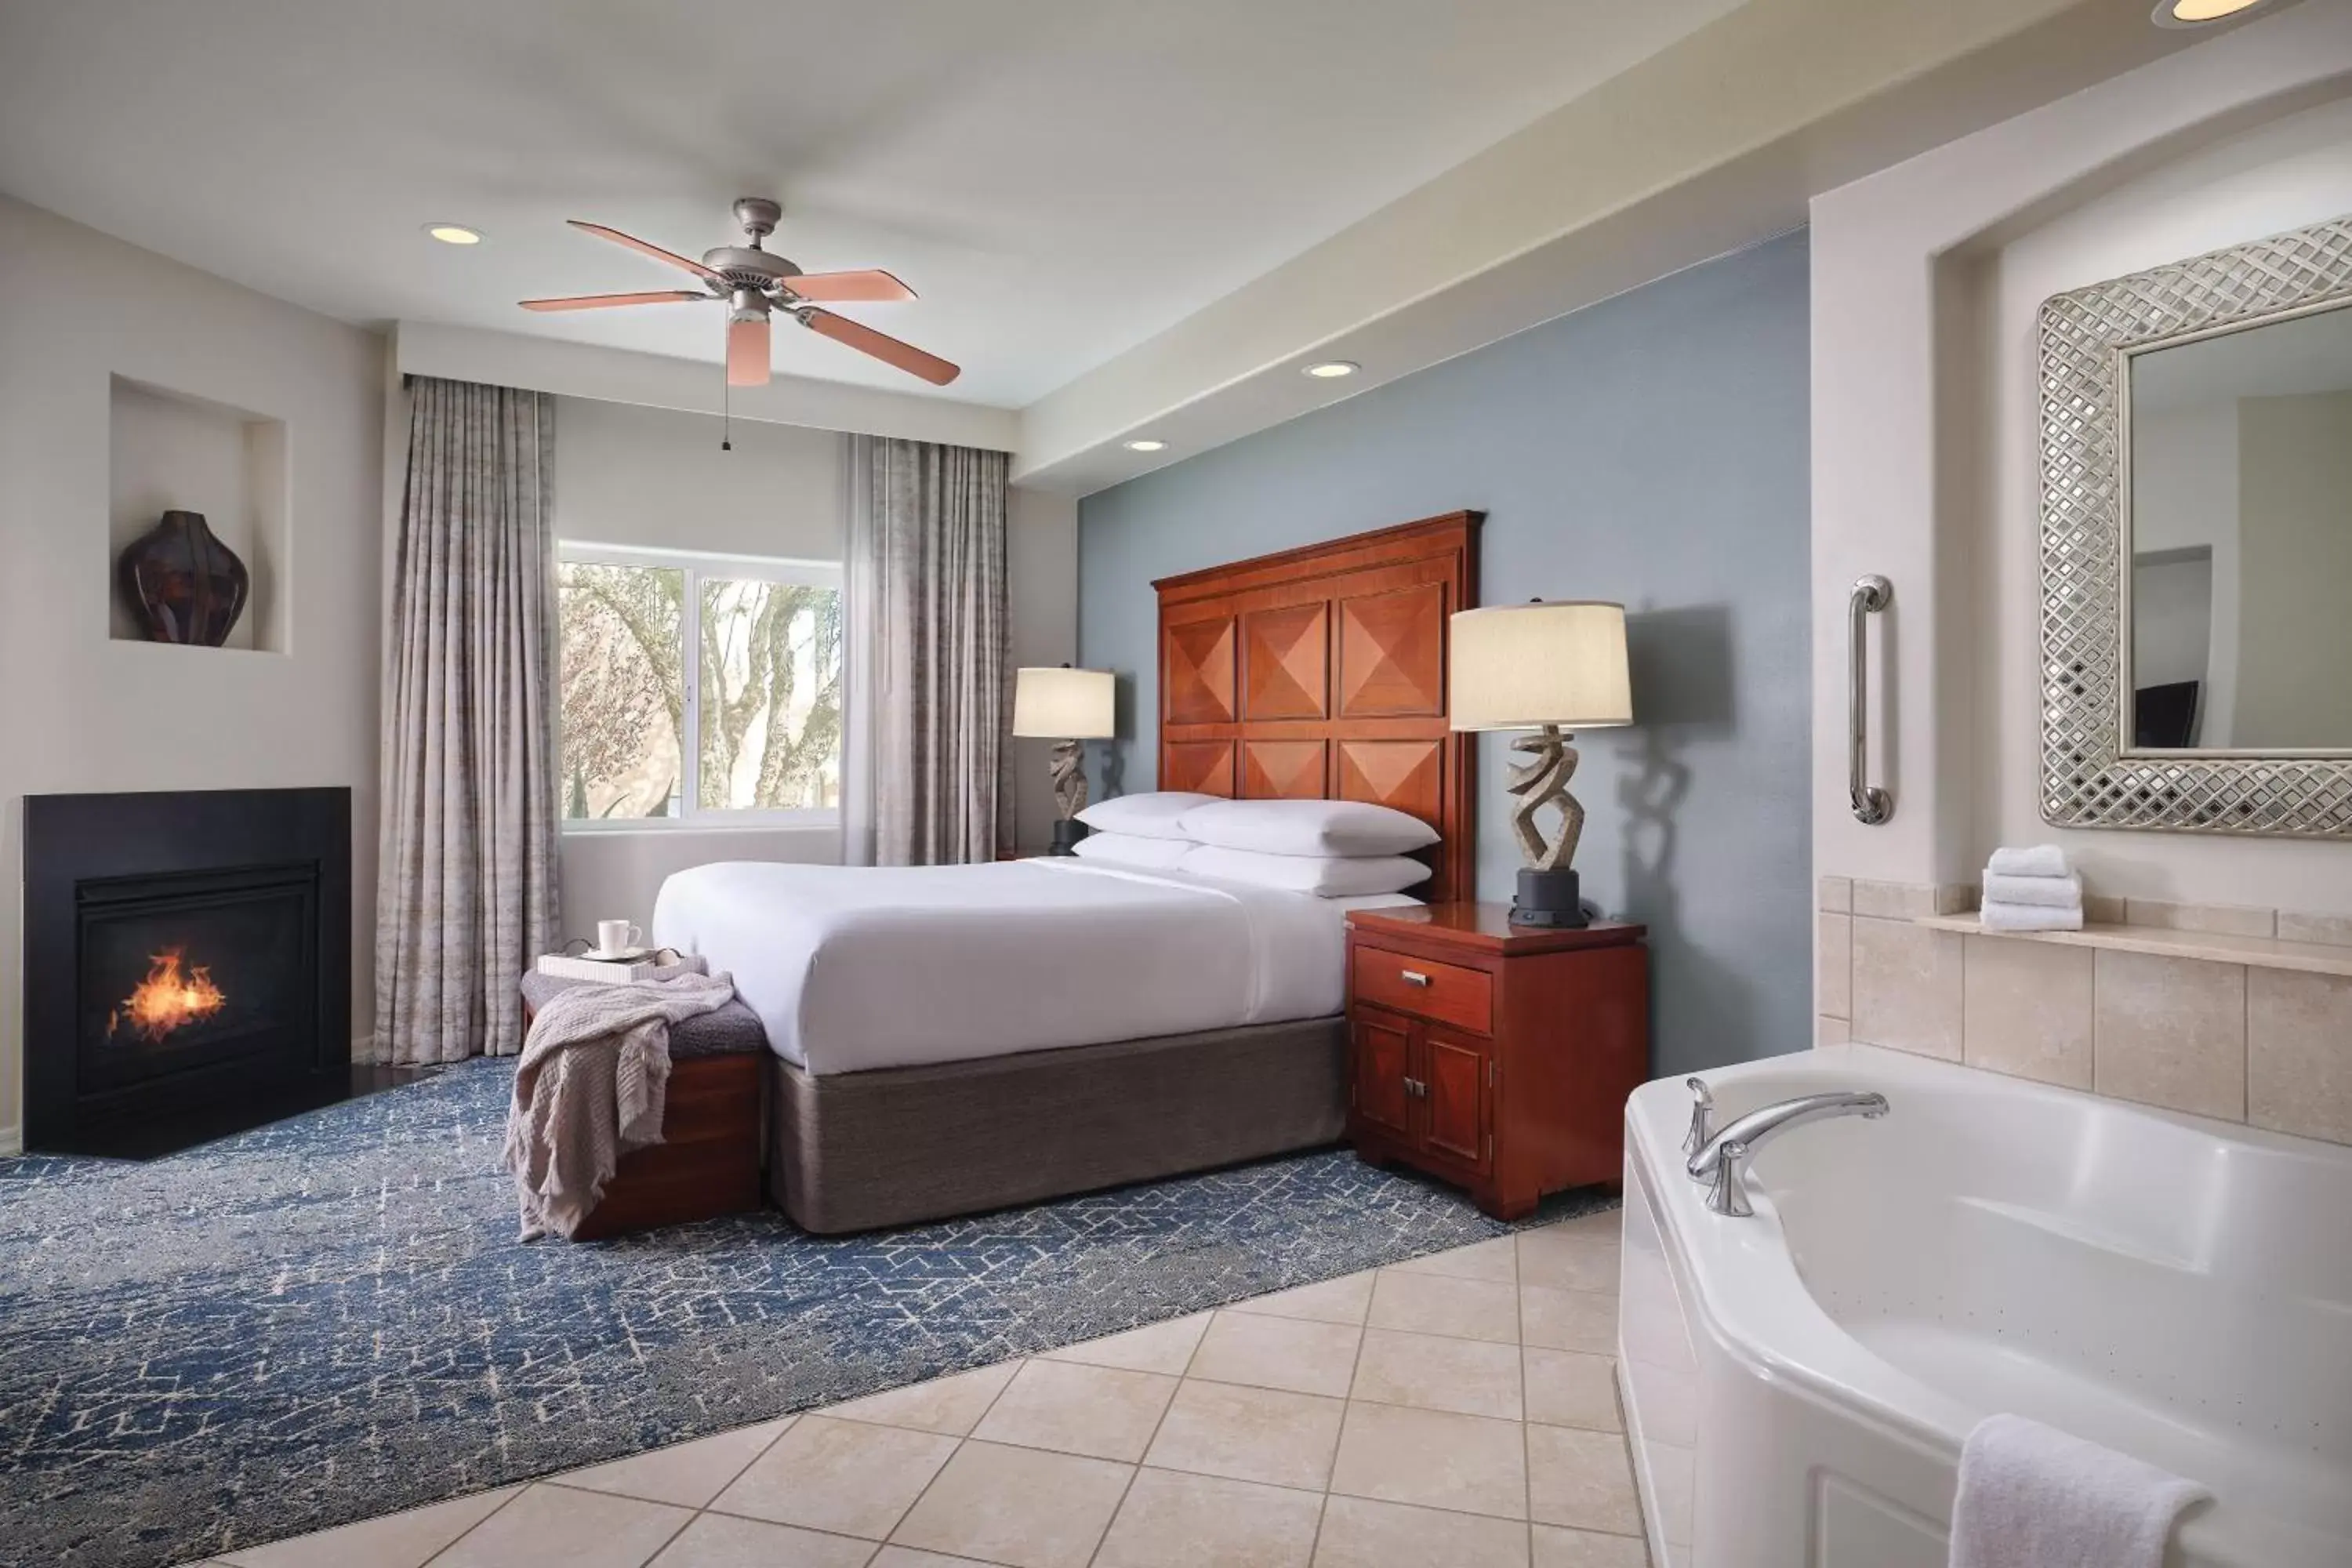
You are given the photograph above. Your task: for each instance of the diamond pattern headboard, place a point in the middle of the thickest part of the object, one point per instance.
(1319, 673)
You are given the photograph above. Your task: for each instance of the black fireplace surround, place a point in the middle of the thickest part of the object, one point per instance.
(187, 961)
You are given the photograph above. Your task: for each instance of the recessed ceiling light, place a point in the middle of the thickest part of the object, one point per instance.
(1147, 444)
(2198, 13)
(453, 233)
(1333, 369)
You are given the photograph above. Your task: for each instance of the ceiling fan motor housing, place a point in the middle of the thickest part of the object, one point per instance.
(749, 268)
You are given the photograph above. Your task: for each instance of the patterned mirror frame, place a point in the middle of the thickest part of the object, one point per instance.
(2089, 777)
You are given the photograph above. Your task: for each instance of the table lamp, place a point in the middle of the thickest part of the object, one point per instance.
(1067, 707)
(1547, 666)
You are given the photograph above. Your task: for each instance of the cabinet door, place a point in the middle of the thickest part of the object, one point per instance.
(1382, 1059)
(1456, 1096)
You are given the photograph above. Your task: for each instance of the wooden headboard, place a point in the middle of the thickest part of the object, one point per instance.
(1320, 673)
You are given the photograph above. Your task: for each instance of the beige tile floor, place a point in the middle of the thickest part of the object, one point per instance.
(1454, 1412)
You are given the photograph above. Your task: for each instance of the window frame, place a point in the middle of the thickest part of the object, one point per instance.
(697, 565)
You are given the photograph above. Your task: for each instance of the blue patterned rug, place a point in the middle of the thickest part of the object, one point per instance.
(330, 1318)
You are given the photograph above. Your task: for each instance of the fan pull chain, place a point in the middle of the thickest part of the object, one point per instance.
(726, 415)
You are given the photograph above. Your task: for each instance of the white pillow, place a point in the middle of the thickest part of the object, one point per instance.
(1326, 877)
(1307, 828)
(1151, 814)
(1133, 849)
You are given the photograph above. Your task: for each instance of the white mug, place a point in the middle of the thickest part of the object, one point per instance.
(616, 936)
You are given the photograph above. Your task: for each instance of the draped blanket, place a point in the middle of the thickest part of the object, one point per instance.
(590, 1088)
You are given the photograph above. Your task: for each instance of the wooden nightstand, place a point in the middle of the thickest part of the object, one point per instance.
(1497, 1057)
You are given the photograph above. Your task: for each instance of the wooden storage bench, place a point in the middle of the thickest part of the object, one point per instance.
(707, 1163)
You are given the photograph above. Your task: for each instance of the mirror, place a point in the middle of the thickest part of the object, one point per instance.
(2237, 527)
(2195, 466)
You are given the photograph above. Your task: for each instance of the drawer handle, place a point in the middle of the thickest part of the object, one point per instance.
(1414, 977)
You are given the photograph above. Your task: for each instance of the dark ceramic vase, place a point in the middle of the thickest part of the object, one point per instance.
(184, 585)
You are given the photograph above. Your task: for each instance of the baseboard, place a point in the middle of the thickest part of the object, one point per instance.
(12, 1141)
(363, 1051)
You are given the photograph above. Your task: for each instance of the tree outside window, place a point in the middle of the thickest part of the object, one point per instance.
(744, 656)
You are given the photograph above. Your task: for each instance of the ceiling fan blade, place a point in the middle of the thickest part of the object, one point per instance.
(604, 301)
(881, 345)
(747, 351)
(874, 286)
(656, 251)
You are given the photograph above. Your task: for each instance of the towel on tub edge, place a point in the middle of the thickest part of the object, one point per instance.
(2033, 1496)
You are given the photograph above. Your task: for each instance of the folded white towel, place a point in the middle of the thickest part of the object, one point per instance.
(2033, 1496)
(2040, 860)
(2029, 917)
(2049, 892)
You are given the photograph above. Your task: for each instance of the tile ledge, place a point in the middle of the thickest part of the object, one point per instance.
(2215, 947)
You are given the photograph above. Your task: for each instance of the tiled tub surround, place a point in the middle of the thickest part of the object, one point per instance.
(2236, 1013)
(1458, 1409)
(1798, 1381)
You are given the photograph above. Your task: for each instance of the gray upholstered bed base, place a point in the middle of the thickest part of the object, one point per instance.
(858, 1151)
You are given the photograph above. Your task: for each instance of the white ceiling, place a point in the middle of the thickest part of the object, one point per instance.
(1059, 179)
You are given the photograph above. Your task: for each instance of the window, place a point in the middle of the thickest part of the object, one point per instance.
(742, 655)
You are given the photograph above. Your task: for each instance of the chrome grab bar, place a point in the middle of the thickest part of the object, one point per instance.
(1872, 804)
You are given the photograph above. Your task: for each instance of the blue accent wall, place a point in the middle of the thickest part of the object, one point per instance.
(1651, 449)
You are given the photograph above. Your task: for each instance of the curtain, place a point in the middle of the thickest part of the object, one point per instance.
(466, 897)
(929, 669)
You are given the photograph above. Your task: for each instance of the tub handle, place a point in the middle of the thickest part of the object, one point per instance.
(1702, 1121)
(1729, 1194)
(1872, 804)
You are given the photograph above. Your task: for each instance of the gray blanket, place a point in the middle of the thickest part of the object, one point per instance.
(590, 1088)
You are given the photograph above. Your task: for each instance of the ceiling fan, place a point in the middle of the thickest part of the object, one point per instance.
(752, 283)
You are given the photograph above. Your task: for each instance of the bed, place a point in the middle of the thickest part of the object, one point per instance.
(952, 1039)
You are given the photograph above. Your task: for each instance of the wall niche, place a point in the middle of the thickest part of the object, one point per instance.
(173, 450)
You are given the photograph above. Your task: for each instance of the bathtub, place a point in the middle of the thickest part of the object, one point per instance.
(1796, 1384)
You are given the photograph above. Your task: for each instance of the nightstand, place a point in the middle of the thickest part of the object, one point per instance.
(1493, 1055)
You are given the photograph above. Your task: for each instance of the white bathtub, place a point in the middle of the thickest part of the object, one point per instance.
(1796, 1384)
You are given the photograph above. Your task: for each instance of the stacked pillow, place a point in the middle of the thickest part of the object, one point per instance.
(1138, 850)
(1329, 848)
(1139, 830)
(1153, 815)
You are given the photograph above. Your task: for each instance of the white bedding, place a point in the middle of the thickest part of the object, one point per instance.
(852, 968)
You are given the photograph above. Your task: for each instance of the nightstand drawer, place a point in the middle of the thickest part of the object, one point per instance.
(1445, 992)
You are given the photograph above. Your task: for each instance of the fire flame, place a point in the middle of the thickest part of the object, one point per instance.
(168, 999)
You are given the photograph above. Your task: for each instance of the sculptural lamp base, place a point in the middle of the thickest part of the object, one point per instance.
(1548, 898)
(1067, 831)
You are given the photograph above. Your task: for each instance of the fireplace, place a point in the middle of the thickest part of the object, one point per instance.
(187, 963)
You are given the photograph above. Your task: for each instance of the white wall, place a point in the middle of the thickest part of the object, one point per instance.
(629, 474)
(1042, 563)
(2185, 493)
(87, 712)
(2294, 670)
(694, 386)
(1926, 278)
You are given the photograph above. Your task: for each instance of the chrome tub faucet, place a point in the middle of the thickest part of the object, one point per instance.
(1721, 1161)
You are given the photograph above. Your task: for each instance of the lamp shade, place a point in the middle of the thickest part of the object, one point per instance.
(1057, 703)
(1521, 667)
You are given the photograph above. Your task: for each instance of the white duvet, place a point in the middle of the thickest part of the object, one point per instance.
(853, 968)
